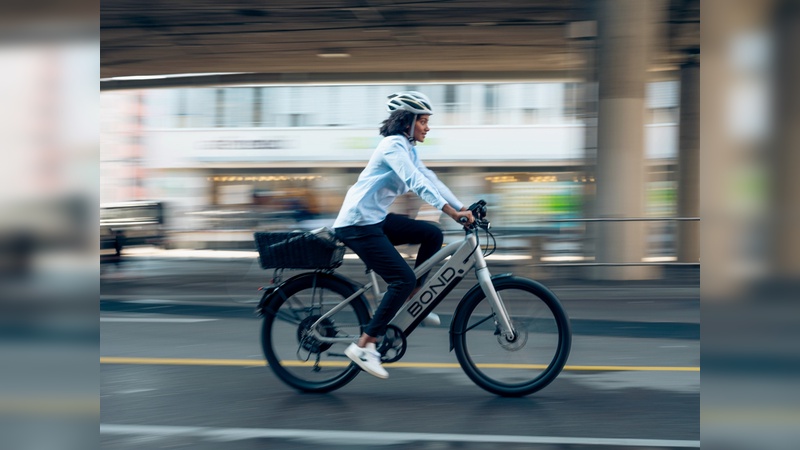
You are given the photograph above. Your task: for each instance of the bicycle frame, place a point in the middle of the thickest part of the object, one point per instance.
(464, 256)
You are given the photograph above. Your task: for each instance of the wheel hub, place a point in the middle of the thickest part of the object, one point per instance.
(517, 342)
(306, 338)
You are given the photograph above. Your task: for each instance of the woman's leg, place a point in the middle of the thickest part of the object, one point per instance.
(378, 253)
(404, 230)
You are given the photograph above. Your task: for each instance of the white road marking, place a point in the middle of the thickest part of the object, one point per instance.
(153, 320)
(153, 301)
(134, 391)
(375, 437)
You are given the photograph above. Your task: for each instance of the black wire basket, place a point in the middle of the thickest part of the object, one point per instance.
(298, 250)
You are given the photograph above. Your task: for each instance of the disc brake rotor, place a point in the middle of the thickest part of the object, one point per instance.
(518, 342)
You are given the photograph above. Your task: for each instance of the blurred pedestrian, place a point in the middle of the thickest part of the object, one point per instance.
(365, 225)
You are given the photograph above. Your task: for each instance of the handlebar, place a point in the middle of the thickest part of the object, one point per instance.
(478, 210)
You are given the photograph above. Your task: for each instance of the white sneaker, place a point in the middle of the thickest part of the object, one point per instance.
(367, 358)
(432, 320)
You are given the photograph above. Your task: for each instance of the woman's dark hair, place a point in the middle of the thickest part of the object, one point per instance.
(399, 122)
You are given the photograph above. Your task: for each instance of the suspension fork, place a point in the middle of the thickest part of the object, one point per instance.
(499, 308)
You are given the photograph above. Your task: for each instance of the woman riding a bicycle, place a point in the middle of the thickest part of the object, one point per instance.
(367, 228)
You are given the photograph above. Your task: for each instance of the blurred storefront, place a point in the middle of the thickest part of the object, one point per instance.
(260, 157)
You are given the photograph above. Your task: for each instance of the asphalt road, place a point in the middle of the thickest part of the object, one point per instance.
(182, 367)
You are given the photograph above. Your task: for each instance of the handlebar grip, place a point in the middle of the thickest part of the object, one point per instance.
(463, 220)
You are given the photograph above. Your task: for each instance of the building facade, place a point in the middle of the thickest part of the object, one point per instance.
(238, 157)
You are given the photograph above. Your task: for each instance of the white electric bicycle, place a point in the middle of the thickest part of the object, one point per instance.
(510, 334)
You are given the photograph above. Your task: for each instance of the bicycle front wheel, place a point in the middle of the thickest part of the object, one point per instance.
(530, 360)
(292, 352)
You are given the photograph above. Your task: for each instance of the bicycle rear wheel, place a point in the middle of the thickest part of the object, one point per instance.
(528, 362)
(292, 352)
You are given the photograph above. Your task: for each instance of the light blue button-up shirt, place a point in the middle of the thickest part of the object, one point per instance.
(393, 170)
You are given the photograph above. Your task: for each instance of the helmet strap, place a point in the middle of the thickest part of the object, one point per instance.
(411, 134)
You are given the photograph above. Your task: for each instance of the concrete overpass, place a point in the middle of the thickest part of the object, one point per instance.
(325, 40)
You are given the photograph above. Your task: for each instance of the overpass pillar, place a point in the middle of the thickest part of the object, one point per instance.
(624, 40)
(784, 154)
(688, 238)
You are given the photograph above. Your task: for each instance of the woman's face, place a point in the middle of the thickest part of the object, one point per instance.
(421, 127)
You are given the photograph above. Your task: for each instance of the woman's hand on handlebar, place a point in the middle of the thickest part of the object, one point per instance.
(463, 217)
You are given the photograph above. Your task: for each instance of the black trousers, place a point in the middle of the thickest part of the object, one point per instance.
(374, 244)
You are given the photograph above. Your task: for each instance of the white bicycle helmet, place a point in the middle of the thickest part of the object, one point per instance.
(412, 101)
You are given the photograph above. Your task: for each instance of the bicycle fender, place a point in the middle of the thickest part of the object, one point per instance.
(475, 290)
(266, 297)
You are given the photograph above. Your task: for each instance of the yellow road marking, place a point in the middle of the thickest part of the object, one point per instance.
(415, 365)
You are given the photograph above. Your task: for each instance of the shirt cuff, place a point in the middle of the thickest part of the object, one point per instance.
(440, 204)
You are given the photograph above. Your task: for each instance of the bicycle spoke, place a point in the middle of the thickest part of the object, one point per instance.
(288, 317)
(521, 364)
(300, 358)
(479, 322)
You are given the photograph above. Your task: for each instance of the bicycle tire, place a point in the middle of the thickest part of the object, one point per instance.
(528, 363)
(300, 361)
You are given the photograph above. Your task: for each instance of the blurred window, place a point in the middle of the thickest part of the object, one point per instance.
(662, 116)
(662, 102)
(490, 104)
(199, 107)
(297, 120)
(294, 106)
(572, 101)
(237, 107)
(458, 104)
(450, 97)
(451, 106)
(267, 108)
(258, 99)
(219, 116)
(183, 113)
(330, 106)
(530, 116)
(549, 102)
(161, 108)
(279, 106)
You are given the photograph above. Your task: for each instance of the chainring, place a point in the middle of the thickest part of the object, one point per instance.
(393, 345)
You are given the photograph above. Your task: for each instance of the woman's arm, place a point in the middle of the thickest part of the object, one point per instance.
(457, 215)
(443, 189)
(398, 158)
